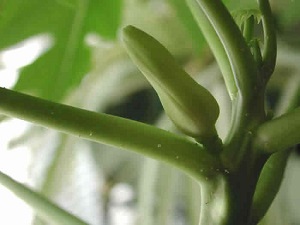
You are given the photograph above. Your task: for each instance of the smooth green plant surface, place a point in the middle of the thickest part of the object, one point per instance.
(239, 177)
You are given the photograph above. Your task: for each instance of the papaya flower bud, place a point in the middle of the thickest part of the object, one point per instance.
(189, 105)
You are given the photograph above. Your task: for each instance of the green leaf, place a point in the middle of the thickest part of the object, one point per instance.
(241, 16)
(63, 66)
(189, 105)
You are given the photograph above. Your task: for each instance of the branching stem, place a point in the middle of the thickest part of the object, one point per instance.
(111, 130)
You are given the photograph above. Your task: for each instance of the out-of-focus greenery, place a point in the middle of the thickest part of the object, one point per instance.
(86, 66)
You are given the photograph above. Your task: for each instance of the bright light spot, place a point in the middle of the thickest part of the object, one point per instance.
(8, 77)
(122, 216)
(94, 40)
(14, 163)
(20, 55)
(26, 52)
(121, 194)
(9, 129)
(13, 210)
(121, 213)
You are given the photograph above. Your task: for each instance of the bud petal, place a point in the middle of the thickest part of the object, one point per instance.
(189, 105)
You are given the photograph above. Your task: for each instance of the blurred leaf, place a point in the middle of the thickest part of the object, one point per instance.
(70, 3)
(240, 4)
(64, 65)
(158, 18)
(289, 12)
(189, 22)
(288, 22)
(186, 17)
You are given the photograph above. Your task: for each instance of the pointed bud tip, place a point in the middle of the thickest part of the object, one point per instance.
(128, 31)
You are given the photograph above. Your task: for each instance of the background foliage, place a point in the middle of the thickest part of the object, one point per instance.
(85, 65)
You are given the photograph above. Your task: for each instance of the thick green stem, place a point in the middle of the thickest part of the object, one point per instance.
(215, 201)
(243, 181)
(145, 139)
(248, 103)
(246, 118)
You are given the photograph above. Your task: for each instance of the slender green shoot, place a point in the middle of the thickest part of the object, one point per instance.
(248, 28)
(40, 204)
(268, 185)
(242, 63)
(279, 133)
(216, 47)
(270, 43)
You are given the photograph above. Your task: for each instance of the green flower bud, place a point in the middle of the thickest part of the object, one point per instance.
(189, 105)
